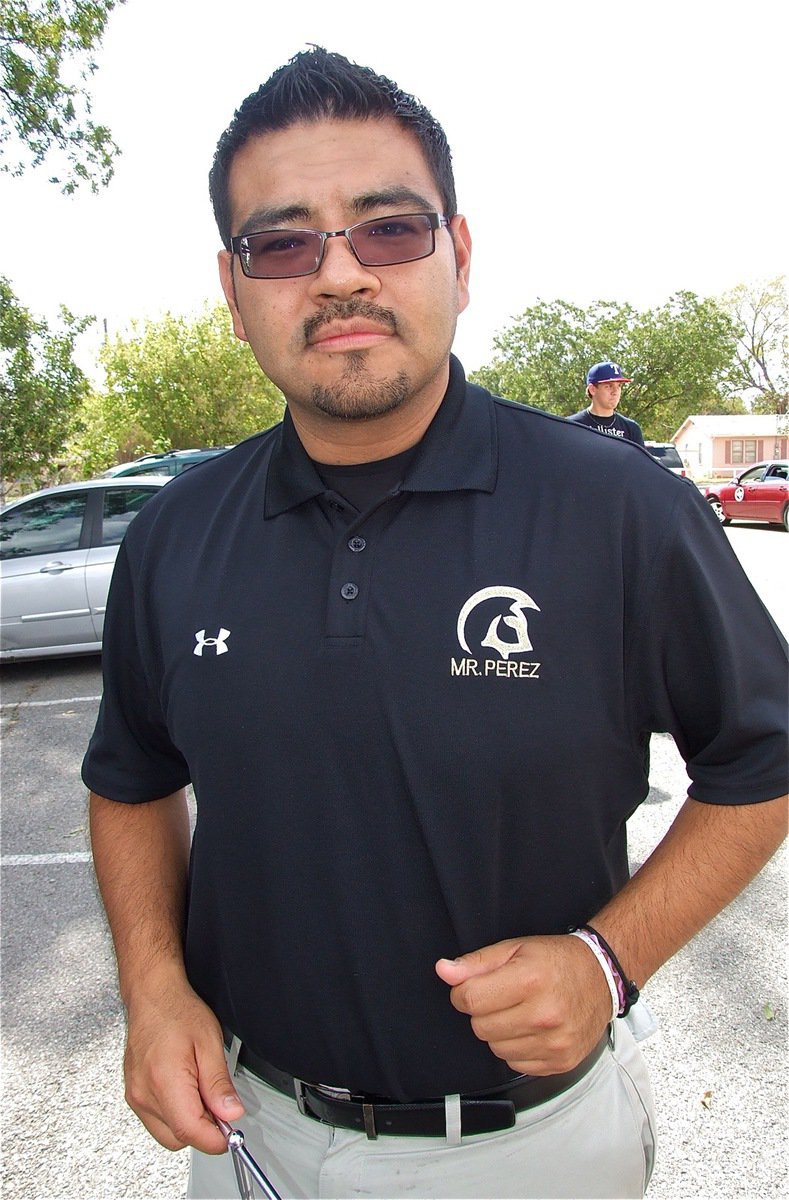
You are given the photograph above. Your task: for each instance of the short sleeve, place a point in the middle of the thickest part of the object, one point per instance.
(708, 664)
(130, 757)
(636, 434)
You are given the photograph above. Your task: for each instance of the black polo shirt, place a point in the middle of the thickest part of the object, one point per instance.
(421, 729)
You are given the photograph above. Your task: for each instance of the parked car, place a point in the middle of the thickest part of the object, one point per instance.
(667, 454)
(759, 493)
(172, 462)
(57, 550)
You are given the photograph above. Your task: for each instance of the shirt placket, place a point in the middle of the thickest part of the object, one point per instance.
(350, 579)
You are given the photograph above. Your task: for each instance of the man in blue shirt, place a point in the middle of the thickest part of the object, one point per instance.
(604, 391)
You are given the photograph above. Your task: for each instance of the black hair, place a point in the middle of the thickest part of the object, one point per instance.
(314, 85)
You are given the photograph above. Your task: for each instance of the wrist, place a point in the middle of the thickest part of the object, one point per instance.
(623, 990)
(139, 988)
(589, 941)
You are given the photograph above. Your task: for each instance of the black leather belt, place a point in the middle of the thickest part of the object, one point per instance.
(483, 1112)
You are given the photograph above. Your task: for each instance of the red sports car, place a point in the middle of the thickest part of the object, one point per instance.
(760, 493)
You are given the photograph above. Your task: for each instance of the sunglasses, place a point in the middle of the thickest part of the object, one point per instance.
(384, 242)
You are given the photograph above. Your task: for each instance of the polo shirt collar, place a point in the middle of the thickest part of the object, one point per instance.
(458, 451)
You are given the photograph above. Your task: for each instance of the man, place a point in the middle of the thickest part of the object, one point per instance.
(604, 391)
(364, 637)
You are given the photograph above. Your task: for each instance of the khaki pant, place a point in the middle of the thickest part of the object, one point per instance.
(595, 1140)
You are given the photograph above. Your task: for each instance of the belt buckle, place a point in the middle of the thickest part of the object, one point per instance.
(298, 1089)
(336, 1093)
(323, 1089)
(327, 1092)
(332, 1093)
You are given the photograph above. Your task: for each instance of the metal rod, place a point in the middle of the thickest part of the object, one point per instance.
(245, 1166)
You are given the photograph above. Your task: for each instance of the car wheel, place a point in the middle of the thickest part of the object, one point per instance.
(786, 518)
(717, 508)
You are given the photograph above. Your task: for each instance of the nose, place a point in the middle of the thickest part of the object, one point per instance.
(341, 274)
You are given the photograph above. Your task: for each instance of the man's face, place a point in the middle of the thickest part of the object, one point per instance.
(605, 397)
(348, 342)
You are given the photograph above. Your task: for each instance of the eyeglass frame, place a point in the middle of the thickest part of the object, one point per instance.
(437, 221)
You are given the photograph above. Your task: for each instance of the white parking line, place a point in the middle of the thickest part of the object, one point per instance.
(47, 703)
(43, 860)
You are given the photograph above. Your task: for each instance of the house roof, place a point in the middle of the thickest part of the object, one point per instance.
(743, 425)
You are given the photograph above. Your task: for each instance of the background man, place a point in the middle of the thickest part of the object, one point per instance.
(604, 391)
(364, 637)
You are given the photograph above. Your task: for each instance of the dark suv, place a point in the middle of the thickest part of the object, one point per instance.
(173, 462)
(667, 454)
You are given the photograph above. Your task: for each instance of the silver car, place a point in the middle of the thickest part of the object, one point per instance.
(57, 551)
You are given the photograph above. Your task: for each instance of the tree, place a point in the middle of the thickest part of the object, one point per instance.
(41, 388)
(45, 109)
(679, 356)
(174, 383)
(45, 62)
(761, 318)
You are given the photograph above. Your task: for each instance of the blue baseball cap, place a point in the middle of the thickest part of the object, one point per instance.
(606, 372)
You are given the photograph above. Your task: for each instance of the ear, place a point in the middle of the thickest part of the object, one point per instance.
(461, 238)
(227, 279)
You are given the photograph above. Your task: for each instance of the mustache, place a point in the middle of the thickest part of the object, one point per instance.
(343, 310)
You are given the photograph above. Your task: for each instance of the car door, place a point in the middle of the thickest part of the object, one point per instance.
(116, 507)
(42, 573)
(742, 497)
(770, 494)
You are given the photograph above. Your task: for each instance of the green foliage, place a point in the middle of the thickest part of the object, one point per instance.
(679, 356)
(45, 106)
(41, 388)
(761, 317)
(174, 383)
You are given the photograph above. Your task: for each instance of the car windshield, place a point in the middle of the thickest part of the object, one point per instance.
(668, 455)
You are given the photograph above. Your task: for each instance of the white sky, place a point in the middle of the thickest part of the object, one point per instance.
(602, 149)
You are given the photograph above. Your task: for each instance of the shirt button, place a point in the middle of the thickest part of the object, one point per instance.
(356, 544)
(349, 591)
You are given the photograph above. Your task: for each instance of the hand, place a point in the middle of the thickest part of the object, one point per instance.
(175, 1069)
(541, 1003)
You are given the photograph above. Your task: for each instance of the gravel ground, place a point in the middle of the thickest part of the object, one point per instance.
(718, 1060)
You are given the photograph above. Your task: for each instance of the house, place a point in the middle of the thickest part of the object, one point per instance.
(722, 446)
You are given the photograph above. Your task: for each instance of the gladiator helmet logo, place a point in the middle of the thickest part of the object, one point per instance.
(515, 620)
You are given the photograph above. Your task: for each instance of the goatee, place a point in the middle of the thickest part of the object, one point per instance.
(359, 397)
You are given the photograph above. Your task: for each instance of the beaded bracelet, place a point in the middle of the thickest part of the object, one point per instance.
(626, 989)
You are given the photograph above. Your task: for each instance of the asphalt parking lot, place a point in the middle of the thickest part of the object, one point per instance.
(718, 1059)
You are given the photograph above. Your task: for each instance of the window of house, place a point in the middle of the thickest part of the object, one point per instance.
(744, 450)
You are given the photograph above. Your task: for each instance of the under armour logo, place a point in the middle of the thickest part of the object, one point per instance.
(217, 642)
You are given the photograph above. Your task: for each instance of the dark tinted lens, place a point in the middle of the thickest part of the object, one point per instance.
(390, 240)
(280, 253)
